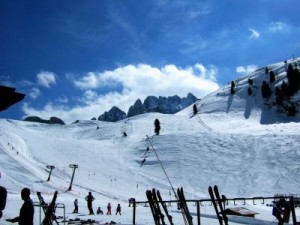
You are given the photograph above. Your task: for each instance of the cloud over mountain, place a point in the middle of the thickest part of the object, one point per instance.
(122, 86)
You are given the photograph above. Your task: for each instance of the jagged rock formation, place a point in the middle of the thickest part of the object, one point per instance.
(166, 105)
(137, 109)
(113, 115)
(53, 120)
(169, 105)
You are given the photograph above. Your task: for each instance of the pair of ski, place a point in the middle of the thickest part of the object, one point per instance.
(155, 200)
(188, 219)
(49, 210)
(217, 203)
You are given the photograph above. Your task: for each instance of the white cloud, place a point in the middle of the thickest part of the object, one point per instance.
(196, 12)
(46, 78)
(254, 34)
(88, 81)
(63, 99)
(34, 93)
(277, 27)
(89, 96)
(244, 70)
(137, 81)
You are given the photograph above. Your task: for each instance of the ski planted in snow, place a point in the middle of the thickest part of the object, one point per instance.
(49, 210)
(214, 202)
(164, 206)
(157, 207)
(217, 194)
(184, 207)
(153, 207)
(217, 203)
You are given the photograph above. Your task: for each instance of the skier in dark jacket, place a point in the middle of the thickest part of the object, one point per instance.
(118, 210)
(90, 198)
(27, 210)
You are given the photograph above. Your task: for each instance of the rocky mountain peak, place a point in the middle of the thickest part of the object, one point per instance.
(166, 105)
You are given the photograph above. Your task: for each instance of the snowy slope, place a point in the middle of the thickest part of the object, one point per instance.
(234, 141)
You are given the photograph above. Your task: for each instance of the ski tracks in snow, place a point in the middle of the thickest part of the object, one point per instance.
(204, 124)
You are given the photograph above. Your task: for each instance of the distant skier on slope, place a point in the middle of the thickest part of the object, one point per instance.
(143, 161)
(90, 198)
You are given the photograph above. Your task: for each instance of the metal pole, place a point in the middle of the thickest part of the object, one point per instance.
(51, 168)
(198, 212)
(74, 166)
(134, 209)
(162, 167)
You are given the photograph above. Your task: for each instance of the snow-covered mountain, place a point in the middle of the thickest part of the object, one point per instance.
(240, 142)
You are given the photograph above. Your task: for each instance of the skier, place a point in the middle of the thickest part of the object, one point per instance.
(108, 209)
(27, 210)
(90, 198)
(277, 211)
(118, 209)
(75, 206)
(99, 210)
(142, 163)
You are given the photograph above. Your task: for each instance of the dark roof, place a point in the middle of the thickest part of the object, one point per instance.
(8, 97)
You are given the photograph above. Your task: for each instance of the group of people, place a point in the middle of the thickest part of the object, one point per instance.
(89, 199)
(280, 208)
(26, 213)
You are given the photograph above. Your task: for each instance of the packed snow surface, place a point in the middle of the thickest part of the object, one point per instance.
(234, 141)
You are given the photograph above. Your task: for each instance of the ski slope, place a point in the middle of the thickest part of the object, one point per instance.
(233, 141)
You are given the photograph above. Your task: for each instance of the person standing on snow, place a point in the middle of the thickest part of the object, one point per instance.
(277, 211)
(118, 209)
(75, 206)
(108, 209)
(27, 210)
(90, 198)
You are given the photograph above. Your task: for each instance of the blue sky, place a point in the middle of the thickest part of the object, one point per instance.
(76, 59)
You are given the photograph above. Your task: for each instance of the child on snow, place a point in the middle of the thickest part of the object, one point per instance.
(99, 210)
(108, 209)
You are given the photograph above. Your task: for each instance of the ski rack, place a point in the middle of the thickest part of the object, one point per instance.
(49, 209)
(198, 203)
(58, 206)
